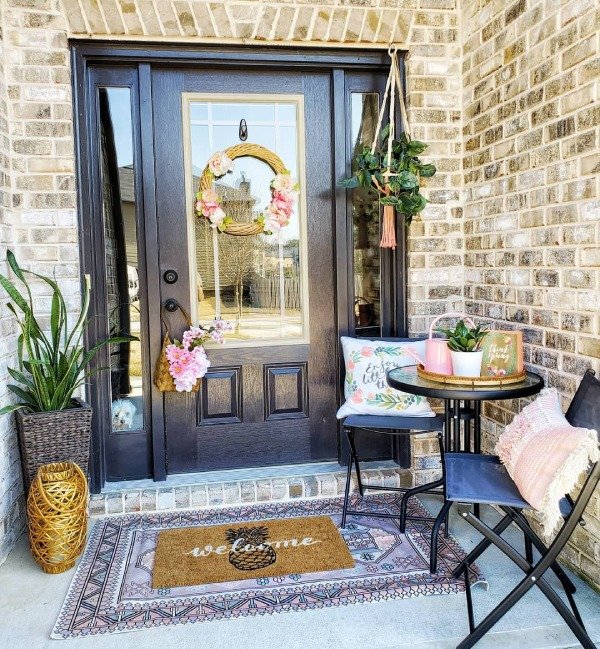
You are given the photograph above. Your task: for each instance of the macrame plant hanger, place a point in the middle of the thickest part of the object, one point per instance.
(393, 87)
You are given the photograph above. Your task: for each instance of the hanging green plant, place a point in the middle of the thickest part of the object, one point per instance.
(401, 187)
(392, 166)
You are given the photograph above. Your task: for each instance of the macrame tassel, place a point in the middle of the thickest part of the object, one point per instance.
(388, 234)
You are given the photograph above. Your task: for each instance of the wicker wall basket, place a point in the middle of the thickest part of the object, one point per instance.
(57, 516)
(59, 436)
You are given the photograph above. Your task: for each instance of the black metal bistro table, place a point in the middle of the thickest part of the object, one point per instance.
(462, 405)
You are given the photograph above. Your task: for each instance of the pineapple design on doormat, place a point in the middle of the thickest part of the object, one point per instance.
(257, 555)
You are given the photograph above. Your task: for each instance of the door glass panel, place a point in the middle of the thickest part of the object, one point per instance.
(365, 224)
(121, 256)
(256, 282)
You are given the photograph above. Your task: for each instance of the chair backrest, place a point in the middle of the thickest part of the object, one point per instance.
(584, 409)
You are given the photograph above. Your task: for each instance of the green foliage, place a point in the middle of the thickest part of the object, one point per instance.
(406, 167)
(51, 365)
(463, 338)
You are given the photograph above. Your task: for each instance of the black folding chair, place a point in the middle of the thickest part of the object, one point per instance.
(483, 479)
(391, 426)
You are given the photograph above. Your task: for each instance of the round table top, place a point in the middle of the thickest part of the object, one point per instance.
(407, 380)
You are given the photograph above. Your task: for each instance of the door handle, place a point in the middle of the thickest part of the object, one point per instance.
(171, 305)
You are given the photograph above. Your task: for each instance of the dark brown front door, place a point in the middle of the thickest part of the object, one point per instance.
(270, 395)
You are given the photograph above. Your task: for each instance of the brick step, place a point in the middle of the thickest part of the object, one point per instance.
(237, 487)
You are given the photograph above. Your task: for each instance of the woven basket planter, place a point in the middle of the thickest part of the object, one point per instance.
(58, 436)
(57, 516)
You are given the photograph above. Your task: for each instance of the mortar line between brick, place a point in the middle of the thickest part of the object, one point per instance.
(83, 15)
(293, 22)
(212, 20)
(275, 21)
(261, 13)
(120, 11)
(345, 30)
(311, 24)
(101, 10)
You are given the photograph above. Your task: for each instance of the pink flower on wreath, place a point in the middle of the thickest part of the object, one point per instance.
(350, 365)
(366, 351)
(208, 202)
(220, 163)
(274, 220)
(283, 181)
(217, 217)
(283, 202)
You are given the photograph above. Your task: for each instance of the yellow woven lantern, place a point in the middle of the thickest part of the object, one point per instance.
(57, 516)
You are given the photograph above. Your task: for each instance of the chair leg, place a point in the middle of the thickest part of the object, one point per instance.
(350, 435)
(408, 494)
(534, 577)
(469, 597)
(523, 524)
(481, 547)
(567, 584)
(528, 549)
(515, 596)
(347, 490)
(434, 535)
(348, 476)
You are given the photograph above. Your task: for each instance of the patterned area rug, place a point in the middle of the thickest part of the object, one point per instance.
(111, 591)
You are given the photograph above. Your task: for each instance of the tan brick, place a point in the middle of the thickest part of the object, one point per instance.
(149, 17)
(131, 18)
(170, 24)
(575, 100)
(579, 52)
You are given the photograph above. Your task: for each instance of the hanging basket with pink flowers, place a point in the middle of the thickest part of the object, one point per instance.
(276, 215)
(181, 364)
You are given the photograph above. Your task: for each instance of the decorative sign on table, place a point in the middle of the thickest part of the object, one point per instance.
(502, 353)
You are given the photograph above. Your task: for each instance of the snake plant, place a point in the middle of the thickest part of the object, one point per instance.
(51, 365)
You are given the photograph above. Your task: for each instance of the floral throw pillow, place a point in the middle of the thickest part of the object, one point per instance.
(545, 455)
(365, 387)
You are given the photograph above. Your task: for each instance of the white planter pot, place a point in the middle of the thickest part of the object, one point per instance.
(466, 363)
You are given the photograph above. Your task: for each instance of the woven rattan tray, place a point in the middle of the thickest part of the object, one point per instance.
(473, 381)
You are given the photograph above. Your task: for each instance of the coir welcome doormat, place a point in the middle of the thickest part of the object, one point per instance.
(230, 552)
(112, 591)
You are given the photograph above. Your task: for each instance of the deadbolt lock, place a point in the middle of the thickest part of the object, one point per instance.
(170, 276)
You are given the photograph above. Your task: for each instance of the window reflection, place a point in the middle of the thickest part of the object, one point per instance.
(255, 281)
(365, 224)
(120, 237)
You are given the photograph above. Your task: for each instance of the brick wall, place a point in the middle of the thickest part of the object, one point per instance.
(532, 200)
(11, 500)
(41, 147)
(514, 142)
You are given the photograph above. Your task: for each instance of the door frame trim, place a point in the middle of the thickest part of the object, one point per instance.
(143, 56)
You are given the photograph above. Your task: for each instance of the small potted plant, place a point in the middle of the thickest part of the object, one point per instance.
(53, 424)
(465, 348)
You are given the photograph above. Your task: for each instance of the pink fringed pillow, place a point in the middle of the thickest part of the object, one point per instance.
(544, 455)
